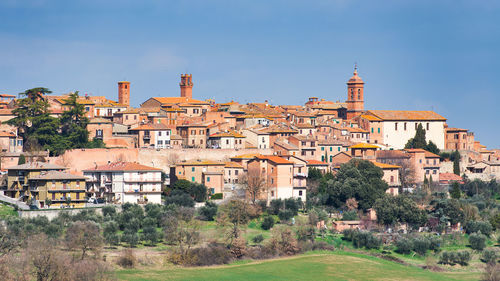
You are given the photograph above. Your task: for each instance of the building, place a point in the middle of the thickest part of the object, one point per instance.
(391, 177)
(395, 127)
(277, 174)
(226, 140)
(124, 182)
(186, 85)
(458, 139)
(152, 135)
(124, 93)
(39, 183)
(355, 88)
(425, 163)
(10, 142)
(209, 173)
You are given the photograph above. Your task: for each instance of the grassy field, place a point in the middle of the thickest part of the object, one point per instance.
(7, 211)
(312, 266)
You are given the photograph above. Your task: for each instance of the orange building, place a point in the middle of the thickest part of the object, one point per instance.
(355, 88)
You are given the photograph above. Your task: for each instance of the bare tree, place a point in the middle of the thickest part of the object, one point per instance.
(407, 175)
(232, 216)
(254, 184)
(172, 159)
(85, 236)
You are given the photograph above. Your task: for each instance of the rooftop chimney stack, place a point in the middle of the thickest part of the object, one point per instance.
(124, 93)
(186, 86)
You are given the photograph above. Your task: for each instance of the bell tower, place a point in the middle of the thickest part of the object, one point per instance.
(186, 85)
(355, 101)
(124, 93)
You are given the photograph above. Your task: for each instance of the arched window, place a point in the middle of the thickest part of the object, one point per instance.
(352, 94)
(359, 94)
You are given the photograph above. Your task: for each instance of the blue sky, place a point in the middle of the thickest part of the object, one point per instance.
(413, 55)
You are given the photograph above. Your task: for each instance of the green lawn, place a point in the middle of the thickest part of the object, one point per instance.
(7, 211)
(313, 266)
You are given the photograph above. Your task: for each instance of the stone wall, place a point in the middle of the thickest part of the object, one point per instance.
(53, 213)
(81, 159)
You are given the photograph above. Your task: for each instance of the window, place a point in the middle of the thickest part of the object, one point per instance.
(322, 148)
(192, 179)
(392, 179)
(427, 126)
(416, 126)
(338, 148)
(160, 142)
(126, 117)
(77, 195)
(272, 193)
(272, 181)
(235, 172)
(201, 141)
(352, 94)
(300, 192)
(427, 171)
(359, 94)
(405, 126)
(135, 117)
(331, 148)
(372, 130)
(331, 158)
(303, 143)
(192, 169)
(263, 139)
(395, 126)
(208, 179)
(303, 153)
(201, 132)
(323, 158)
(378, 130)
(53, 196)
(110, 112)
(434, 171)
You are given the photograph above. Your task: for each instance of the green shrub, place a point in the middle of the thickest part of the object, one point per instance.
(452, 258)
(257, 239)
(179, 198)
(350, 215)
(348, 234)
(489, 256)
(285, 215)
(404, 246)
(362, 239)
(275, 206)
(463, 258)
(293, 205)
(216, 196)
(267, 223)
(479, 226)
(209, 211)
(421, 245)
(477, 241)
(435, 243)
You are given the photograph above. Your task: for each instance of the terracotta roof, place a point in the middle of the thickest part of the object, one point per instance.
(304, 126)
(164, 100)
(56, 175)
(246, 156)
(392, 154)
(370, 117)
(122, 166)
(363, 145)
(419, 150)
(287, 146)
(227, 134)
(407, 115)
(98, 120)
(356, 130)
(151, 127)
(37, 166)
(275, 159)
(233, 165)
(386, 166)
(7, 134)
(200, 162)
(449, 177)
(316, 162)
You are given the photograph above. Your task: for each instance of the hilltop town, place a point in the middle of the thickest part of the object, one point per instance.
(179, 181)
(218, 144)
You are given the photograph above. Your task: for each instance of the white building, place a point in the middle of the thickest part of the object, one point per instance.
(124, 182)
(395, 127)
(257, 138)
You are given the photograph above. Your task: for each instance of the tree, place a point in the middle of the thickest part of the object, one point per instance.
(149, 232)
(432, 147)
(455, 192)
(456, 163)
(358, 179)
(209, 211)
(418, 141)
(477, 241)
(110, 233)
(21, 160)
(406, 175)
(254, 183)
(399, 209)
(232, 215)
(74, 122)
(85, 236)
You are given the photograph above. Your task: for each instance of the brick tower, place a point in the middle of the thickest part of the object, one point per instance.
(355, 103)
(186, 86)
(124, 93)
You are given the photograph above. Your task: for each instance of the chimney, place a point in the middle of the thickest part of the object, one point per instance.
(124, 93)
(186, 85)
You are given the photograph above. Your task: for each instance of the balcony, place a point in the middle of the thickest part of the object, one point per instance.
(300, 175)
(146, 137)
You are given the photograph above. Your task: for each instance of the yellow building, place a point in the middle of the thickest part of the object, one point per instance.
(39, 181)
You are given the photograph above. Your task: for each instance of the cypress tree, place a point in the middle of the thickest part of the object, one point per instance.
(21, 159)
(456, 163)
(455, 192)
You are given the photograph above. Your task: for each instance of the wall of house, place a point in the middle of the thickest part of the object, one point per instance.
(398, 138)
